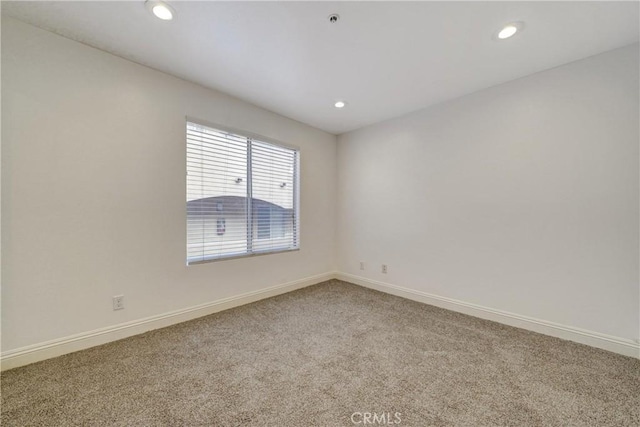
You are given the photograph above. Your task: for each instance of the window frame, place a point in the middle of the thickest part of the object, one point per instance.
(296, 190)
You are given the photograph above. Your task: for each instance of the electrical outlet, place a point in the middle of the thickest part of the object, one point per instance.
(361, 265)
(118, 302)
(384, 268)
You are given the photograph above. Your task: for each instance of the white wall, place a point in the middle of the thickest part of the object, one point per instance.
(93, 176)
(522, 197)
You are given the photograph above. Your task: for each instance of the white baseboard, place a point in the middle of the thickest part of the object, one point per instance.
(607, 342)
(46, 350)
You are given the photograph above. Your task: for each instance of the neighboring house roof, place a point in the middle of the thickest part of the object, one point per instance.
(229, 205)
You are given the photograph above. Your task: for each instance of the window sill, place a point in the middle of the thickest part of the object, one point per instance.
(249, 255)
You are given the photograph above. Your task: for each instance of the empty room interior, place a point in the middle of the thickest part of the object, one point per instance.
(320, 213)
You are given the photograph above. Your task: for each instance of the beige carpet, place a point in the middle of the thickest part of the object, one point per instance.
(317, 356)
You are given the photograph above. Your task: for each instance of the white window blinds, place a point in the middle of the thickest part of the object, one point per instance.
(242, 195)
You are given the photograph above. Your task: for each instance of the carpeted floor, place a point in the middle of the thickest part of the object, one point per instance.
(318, 356)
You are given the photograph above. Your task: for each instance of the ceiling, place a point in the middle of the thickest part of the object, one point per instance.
(384, 58)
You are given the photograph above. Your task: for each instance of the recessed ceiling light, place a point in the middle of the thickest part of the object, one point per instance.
(340, 104)
(507, 32)
(510, 30)
(160, 9)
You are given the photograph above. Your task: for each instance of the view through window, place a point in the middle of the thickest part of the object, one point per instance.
(242, 195)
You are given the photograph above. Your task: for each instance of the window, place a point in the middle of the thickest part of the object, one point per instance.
(221, 226)
(242, 195)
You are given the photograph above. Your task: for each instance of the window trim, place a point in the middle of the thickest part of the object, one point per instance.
(240, 132)
(296, 190)
(247, 255)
